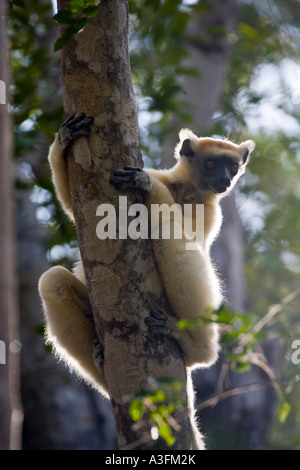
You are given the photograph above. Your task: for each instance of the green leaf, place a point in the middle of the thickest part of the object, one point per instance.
(165, 410)
(76, 26)
(91, 11)
(157, 396)
(76, 6)
(64, 17)
(63, 40)
(284, 411)
(60, 43)
(248, 30)
(191, 324)
(136, 409)
(81, 6)
(242, 366)
(224, 316)
(164, 431)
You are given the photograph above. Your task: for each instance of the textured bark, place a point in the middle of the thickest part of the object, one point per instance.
(10, 414)
(121, 275)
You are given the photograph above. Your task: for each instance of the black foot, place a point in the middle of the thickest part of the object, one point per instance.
(157, 322)
(130, 178)
(74, 127)
(98, 353)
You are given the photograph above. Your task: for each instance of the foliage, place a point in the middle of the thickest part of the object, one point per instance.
(241, 337)
(79, 11)
(158, 401)
(37, 112)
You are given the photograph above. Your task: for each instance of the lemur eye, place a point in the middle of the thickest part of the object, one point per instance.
(209, 164)
(234, 169)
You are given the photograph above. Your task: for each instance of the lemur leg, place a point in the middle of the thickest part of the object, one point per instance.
(189, 278)
(70, 130)
(70, 327)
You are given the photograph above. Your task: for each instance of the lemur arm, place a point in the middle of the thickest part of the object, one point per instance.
(70, 130)
(60, 178)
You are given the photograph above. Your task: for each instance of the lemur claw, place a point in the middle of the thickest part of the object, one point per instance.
(157, 322)
(74, 127)
(98, 352)
(131, 177)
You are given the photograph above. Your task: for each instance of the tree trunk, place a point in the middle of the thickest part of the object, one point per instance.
(208, 55)
(10, 414)
(121, 275)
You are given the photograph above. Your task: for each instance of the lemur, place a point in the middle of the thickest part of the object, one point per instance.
(206, 170)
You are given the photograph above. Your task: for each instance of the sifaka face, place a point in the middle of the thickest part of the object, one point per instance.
(218, 173)
(214, 165)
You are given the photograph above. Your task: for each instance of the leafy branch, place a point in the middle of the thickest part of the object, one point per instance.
(158, 401)
(240, 338)
(241, 334)
(75, 18)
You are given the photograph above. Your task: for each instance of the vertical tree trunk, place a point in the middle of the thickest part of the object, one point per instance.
(9, 372)
(209, 57)
(122, 279)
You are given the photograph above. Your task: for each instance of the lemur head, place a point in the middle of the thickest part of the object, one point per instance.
(213, 165)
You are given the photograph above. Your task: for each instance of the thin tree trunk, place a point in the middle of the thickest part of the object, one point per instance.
(10, 414)
(121, 275)
(208, 56)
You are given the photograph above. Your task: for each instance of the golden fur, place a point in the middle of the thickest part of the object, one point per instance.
(189, 277)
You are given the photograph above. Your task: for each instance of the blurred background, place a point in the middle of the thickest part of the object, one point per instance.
(224, 68)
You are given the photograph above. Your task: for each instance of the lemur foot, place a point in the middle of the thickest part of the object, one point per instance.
(74, 127)
(157, 322)
(131, 178)
(98, 354)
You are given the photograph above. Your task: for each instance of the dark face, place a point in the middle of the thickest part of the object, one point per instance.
(219, 173)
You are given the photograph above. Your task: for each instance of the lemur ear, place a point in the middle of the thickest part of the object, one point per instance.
(186, 149)
(247, 147)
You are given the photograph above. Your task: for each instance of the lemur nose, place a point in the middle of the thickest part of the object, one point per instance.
(225, 182)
